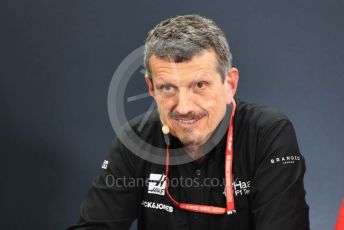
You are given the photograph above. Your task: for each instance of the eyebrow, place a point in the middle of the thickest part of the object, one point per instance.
(200, 77)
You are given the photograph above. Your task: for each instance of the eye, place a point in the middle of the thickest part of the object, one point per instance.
(200, 85)
(166, 88)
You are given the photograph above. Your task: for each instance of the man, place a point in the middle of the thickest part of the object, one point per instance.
(189, 74)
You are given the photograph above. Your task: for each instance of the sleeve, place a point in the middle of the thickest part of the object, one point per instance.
(278, 195)
(111, 202)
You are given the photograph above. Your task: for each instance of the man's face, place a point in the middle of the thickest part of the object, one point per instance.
(191, 96)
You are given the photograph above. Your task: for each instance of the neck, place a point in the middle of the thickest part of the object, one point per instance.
(195, 151)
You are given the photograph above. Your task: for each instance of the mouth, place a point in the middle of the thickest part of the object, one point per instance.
(187, 123)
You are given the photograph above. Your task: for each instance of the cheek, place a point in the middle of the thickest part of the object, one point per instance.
(212, 102)
(215, 105)
(164, 106)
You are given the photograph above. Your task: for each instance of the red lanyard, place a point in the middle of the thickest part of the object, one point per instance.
(228, 179)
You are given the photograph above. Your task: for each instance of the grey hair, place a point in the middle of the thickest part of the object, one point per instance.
(182, 37)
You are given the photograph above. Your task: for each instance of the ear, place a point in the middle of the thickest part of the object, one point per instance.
(149, 83)
(231, 83)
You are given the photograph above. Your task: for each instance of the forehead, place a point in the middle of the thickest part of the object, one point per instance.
(202, 63)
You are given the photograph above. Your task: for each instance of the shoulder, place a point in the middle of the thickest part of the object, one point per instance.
(258, 116)
(139, 137)
(265, 132)
(144, 125)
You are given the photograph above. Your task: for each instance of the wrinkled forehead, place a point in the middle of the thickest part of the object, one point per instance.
(200, 64)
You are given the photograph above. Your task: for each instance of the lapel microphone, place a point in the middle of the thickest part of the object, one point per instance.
(166, 130)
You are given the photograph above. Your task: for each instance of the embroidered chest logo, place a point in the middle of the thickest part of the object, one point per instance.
(241, 187)
(156, 184)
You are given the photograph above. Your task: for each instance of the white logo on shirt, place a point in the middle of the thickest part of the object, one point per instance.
(153, 205)
(105, 164)
(157, 183)
(285, 160)
(240, 187)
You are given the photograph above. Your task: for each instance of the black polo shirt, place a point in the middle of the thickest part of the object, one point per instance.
(268, 172)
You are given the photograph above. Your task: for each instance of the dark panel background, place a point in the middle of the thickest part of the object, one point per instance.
(57, 60)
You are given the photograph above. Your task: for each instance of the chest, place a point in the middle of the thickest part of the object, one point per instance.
(196, 184)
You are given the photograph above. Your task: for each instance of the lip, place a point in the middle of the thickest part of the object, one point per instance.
(187, 123)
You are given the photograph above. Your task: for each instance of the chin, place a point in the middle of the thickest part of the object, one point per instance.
(191, 136)
(193, 141)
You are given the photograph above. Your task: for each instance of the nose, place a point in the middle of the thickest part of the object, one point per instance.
(184, 102)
